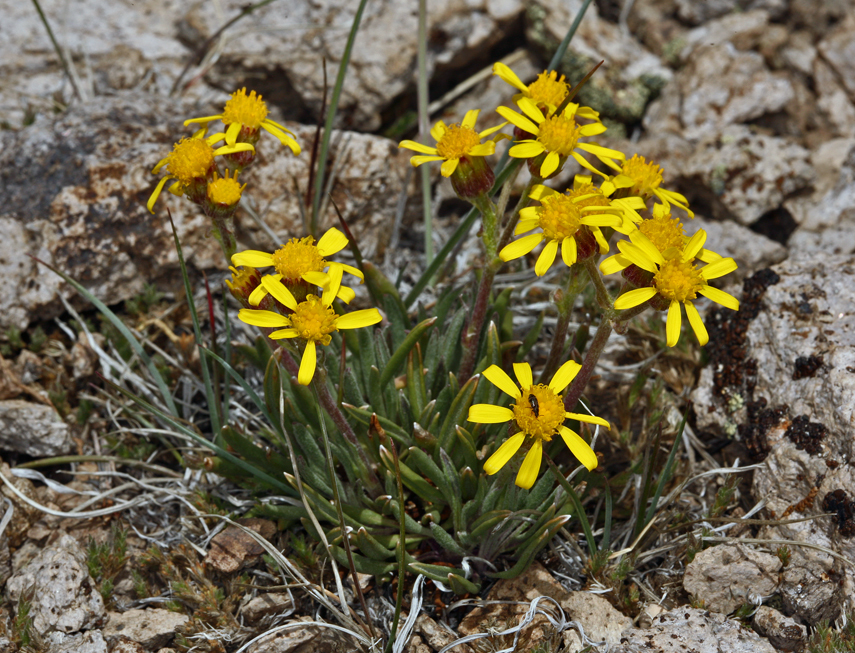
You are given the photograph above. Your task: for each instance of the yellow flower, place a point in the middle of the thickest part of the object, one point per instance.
(640, 177)
(677, 281)
(557, 136)
(454, 142)
(303, 260)
(225, 191)
(664, 231)
(190, 163)
(538, 412)
(563, 218)
(312, 320)
(547, 90)
(248, 113)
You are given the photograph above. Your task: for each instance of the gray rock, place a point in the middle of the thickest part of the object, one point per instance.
(750, 250)
(267, 604)
(62, 594)
(91, 641)
(783, 632)
(152, 627)
(833, 102)
(599, 619)
(838, 49)
(303, 639)
(743, 29)
(727, 576)
(75, 189)
(744, 175)
(33, 429)
(690, 629)
(718, 86)
(696, 12)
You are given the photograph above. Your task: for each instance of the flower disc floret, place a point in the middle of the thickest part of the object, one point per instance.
(247, 110)
(647, 176)
(457, 141)
(678, 280)
(297, 257)
(548, 89)
(663, 231)
(538, 413)
(191, 158)
(559, 217)
(559, 134)
(225, 190)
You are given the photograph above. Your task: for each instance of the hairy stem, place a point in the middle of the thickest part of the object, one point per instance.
(598, 344)
(479, 312)
(565, 299)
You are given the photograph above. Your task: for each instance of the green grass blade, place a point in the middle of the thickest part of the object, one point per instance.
(667, 471)
(125, 331)
(396, 361)
(562, 48)
(216, 424)
(331, 111)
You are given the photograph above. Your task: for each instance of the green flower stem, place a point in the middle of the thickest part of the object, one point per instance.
(489, 222)
(604, 298)
(577, 504)
(479, 312)
(565, 299)
(223, 230)
(628, 314)
(591, 357)
(329, 405)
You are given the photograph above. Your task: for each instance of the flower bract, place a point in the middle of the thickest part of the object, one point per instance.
(303, 260)
(244, 115)
(677, 280)
(538, 413)
(312, 320)
(557, 136)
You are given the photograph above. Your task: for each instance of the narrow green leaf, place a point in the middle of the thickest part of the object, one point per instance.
(445, 540)
(396, 361)
(532, 548)
(457, 411)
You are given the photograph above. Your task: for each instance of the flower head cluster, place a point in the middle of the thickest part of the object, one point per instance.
(642, 178)
(547, 91)
(538, 414)
(312, 320)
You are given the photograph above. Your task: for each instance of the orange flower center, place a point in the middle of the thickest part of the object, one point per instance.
(457, 141)
(548, 89)
(225, 190)
(647, 176)
(191, 158)
(559, 217)
(678, 280)
(664, 232)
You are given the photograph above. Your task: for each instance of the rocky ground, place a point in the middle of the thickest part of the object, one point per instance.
(750, 107)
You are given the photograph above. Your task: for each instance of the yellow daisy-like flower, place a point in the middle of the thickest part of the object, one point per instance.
(454, 142)
(312, 320)
(190, 163)
(301, 259)
(225, 191)
(664, 231)
(557, 136)
(562, 217)
(547, 90)
(677, 281)
(538, 412)
(248, 113)
(643, 178)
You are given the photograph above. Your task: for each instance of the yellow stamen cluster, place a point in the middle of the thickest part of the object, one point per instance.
(548, 89)
(457, 141)
(191, 158)
(663, 231)
(225, 190)
(592, 196)
(296, 257)
(647, 176)
(314, 321)
(678, 280)
(559, 217)
(248, 110)
(550, 412)
(559, 134)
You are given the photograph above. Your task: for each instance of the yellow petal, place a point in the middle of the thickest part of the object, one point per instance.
(262, 318)
(582, 161)
(550, 164)
(484, 149)
(720, 297)
(634, 298)
(530, 109)
(531, 465)
(331, 242)
(489, 414)
(156, 193)
(520, 247)
(333, 284)
(438, 130)
(280, 292)
(257, 295)
(523, 373)
(308, 364)
(565, 374)
(346, 294)
(499, 378)
(232, 149)
(356, 272)
(579, 448)
(506, 74)
(526, 224)
(204, 120)
(358, 319)
(697, 323)
(568, 251)
(696, 242)
(504, 453)
(316, 278)
(252, 258)
(646, 245)
(614, 264)
(718, 268)
(517, 120)
(284, 333)
(590, 419)
(159, 165)
(493, 130)
(470, 118)
(540, 192)
(546, 258)
(602, 152)
(282, 134)
(594, 129)
(232, 133)
(417, 160)
(672, 325)
(417, 147)
(448, 167)
(526, 150)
